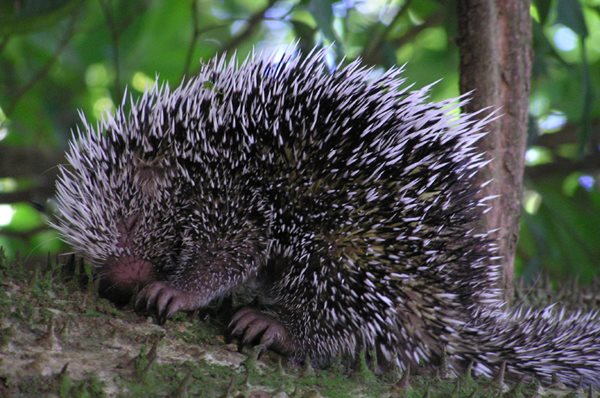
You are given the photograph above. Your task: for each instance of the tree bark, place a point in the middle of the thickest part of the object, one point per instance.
(494, 39)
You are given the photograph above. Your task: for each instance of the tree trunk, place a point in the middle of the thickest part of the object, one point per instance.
(494, 39)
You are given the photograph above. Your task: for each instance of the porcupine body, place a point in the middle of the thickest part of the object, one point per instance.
(347, 201)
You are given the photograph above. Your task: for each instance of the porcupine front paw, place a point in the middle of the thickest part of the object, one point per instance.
(252, 326)
(165, 300)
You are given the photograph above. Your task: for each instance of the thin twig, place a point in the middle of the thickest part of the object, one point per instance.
(410, 35)
(46, 68)
(125, 22)
(381, 35)
(560, 167)
(107, 8)
(197, 32)
(252, 24)
(194, 38)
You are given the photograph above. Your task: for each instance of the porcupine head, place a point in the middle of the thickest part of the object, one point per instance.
(153, 192)
(117, 202)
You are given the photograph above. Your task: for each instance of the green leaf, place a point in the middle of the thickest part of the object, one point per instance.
(25, 218)
(46, 242)
(562, 236)
(570, 14)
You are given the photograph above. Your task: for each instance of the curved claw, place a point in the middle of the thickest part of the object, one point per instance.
(165, 299)
(252, 326)
(269, 337)
(148, 295)
(254, 329)
(236, 317)
(240, 321)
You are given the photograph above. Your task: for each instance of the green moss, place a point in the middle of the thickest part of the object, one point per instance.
(142, 363)
(45, 316)
(34, 385)
(85, 325)
(61, 385)
(363, 372)
(335, 384)
(41, 284)
(6, 334)
(5, 302)
(65, 384)
(197, 332)
(10, 269)
(89, 387)
(197, 379)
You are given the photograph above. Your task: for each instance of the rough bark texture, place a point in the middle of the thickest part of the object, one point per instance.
(494, 38)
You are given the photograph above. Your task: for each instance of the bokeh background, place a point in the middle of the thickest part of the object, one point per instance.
(61, 57)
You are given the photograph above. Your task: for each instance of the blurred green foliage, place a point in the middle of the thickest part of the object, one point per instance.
(60, 56)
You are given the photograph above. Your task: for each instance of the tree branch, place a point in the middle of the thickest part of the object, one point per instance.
(107, 8)
(569, 134)
(251, 25)
(249, 29)
(126, 21)
(563, 167)
(408, 37)
(494, 39)
(373, 46)
(434, 19)
(46, 68)
(193, 39)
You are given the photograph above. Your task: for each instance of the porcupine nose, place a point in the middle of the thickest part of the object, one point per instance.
(121, 277)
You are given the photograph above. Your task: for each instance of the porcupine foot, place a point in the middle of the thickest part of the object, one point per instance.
(253, 326)
(165, 299)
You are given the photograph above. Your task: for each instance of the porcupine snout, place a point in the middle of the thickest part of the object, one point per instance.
(121, 277)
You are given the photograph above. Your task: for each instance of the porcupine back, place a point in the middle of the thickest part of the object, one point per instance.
(356, 198)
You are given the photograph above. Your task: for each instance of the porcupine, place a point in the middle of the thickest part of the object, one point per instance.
(349, 202)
